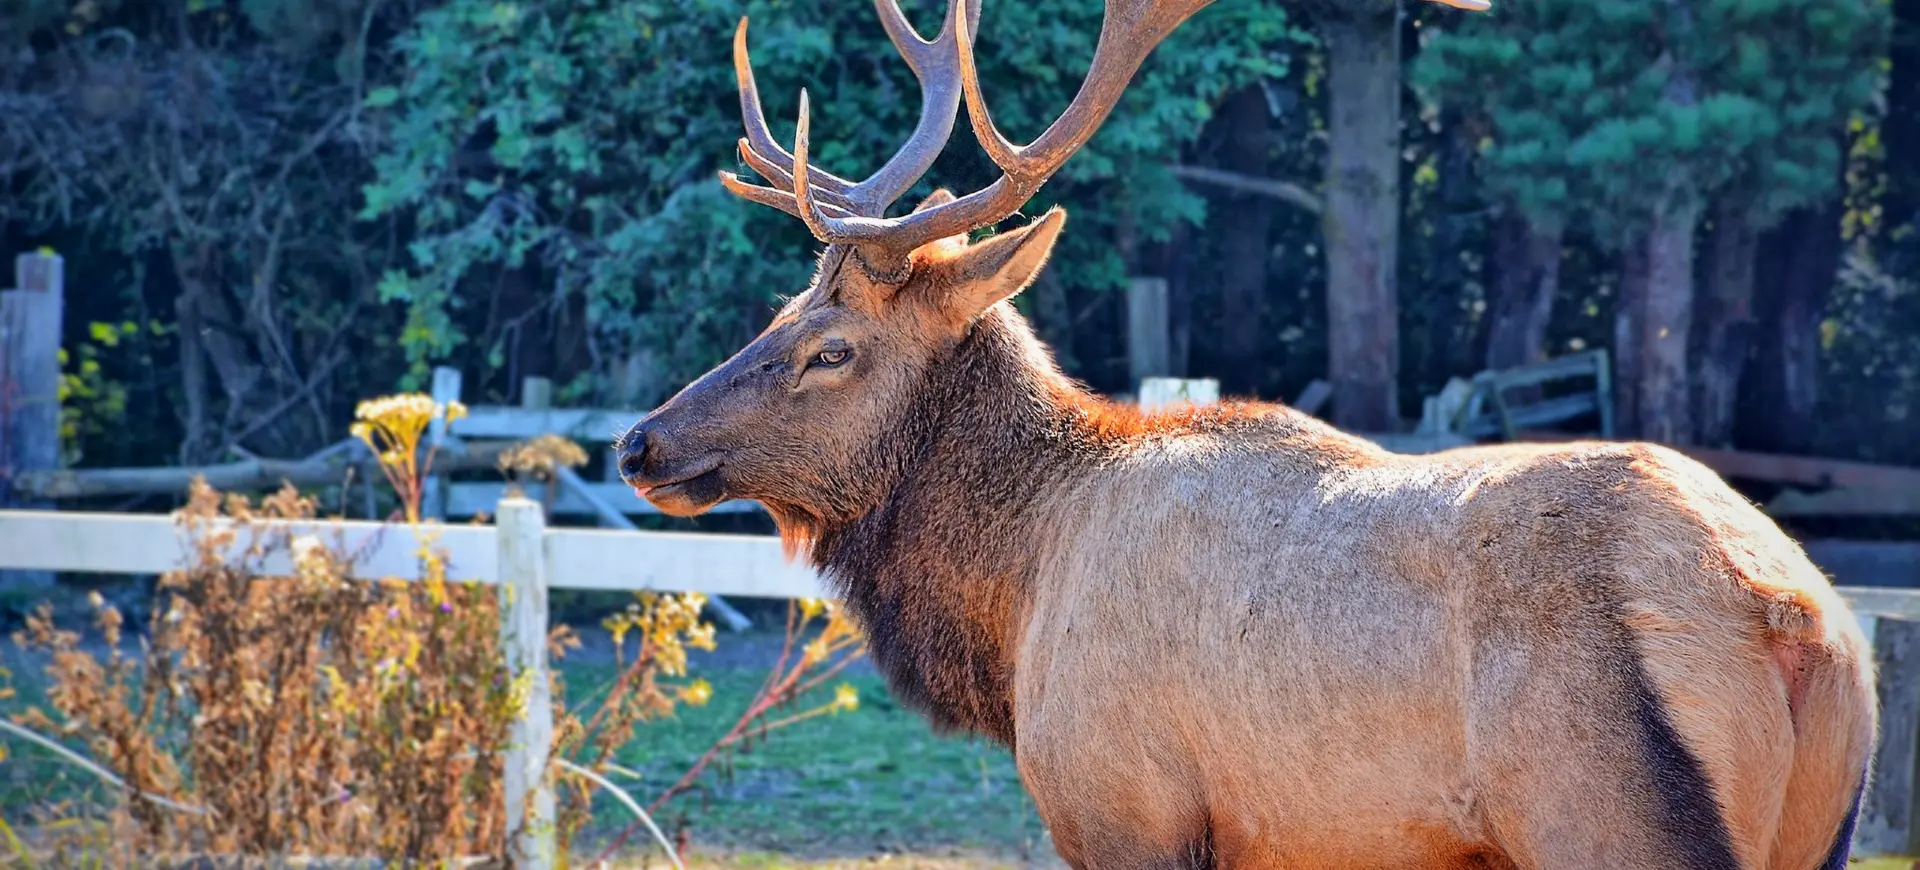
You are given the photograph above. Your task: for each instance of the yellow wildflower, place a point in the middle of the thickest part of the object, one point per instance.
(846, 697)
(812, 607)
(697, 693)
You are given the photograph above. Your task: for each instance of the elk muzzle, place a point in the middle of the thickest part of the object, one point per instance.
(679, 482)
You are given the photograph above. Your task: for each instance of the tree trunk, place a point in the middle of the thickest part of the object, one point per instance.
(1244, 240)
(1727, 312)
(1525, 283)
(1796, 266)
(1628, 312)
(1361, 223)
(1665, 394)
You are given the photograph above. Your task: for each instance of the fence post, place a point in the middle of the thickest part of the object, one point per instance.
(30, 324)
(1888, 823)
(433, 492)
(522, 532)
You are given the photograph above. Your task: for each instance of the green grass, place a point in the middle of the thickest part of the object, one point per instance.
(867, 781)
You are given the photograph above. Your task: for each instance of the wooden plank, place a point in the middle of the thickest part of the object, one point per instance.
(1543, 413)
(1805, 471)
(1417, 442)
(1149, 343)
(31, 318)
(475, 499)
(154, 544)
(1868, 563)
(581, 424)
(247, 475)
(570, 482)
(750, 566)
(1575, 365)
(523, 635)
(1160, 392)
(1888, 824)
(1891, 602)
(1846, 503)
(1314, 397)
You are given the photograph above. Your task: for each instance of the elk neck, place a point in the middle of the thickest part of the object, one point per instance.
(940, 572)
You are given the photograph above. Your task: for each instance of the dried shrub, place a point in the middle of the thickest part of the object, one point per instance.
(300, 714)
(278, 707)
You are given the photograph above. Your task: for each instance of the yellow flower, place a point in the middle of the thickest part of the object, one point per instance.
(816, 652)
(455, 411)
(812, 607)
(697, 693)
(701, 637)
(846, 697)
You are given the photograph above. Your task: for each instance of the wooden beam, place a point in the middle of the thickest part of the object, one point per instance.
(474, 499)
(726, 565)
(1806, 471)
(252, 474)
(571, 482)
(581, 424)
(1314, 397)
(1850, 502)
(1888, 823)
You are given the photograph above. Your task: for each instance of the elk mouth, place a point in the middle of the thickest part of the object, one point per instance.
(689, 493)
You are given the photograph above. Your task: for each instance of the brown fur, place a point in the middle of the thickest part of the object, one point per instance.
(1234, 636)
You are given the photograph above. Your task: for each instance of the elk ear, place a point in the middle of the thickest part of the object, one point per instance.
(939, 249)
(981, 276)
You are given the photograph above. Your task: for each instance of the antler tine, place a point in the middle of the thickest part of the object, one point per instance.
(936, 65)
(755, 119)
(932, 63)
(1130, 29)
(780, 199)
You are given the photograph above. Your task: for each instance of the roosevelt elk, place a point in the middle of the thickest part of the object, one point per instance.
(1233, 636)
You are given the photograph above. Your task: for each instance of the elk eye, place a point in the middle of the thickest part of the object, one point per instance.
(832, 357)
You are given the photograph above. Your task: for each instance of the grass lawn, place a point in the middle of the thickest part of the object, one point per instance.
(870, 783)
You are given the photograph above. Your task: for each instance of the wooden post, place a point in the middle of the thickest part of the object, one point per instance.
(1149, 343)
(446, 389)
(1171, 392)
(30, 324)
(522, 531)
(1888, 823)
(536, 394)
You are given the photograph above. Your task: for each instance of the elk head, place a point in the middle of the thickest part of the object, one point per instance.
(808, 417)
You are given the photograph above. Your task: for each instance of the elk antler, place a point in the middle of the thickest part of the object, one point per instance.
(843, 212)
(933, 63)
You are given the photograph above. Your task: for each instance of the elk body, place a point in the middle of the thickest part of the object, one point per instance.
(1234, 636)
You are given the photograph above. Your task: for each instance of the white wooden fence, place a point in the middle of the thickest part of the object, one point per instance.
(520, 553)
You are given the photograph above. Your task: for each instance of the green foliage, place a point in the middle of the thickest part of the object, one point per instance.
(580, 139)
(1607, 111)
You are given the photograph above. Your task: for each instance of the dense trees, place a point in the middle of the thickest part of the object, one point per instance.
(275, 207)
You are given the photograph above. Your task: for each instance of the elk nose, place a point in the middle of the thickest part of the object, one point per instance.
(633, 454)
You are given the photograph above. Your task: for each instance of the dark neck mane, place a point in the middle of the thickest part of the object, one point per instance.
(939, 572)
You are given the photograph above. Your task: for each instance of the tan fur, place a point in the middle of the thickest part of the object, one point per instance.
(1234, 636)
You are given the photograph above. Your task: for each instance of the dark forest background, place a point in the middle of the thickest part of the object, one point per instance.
(272, 209)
